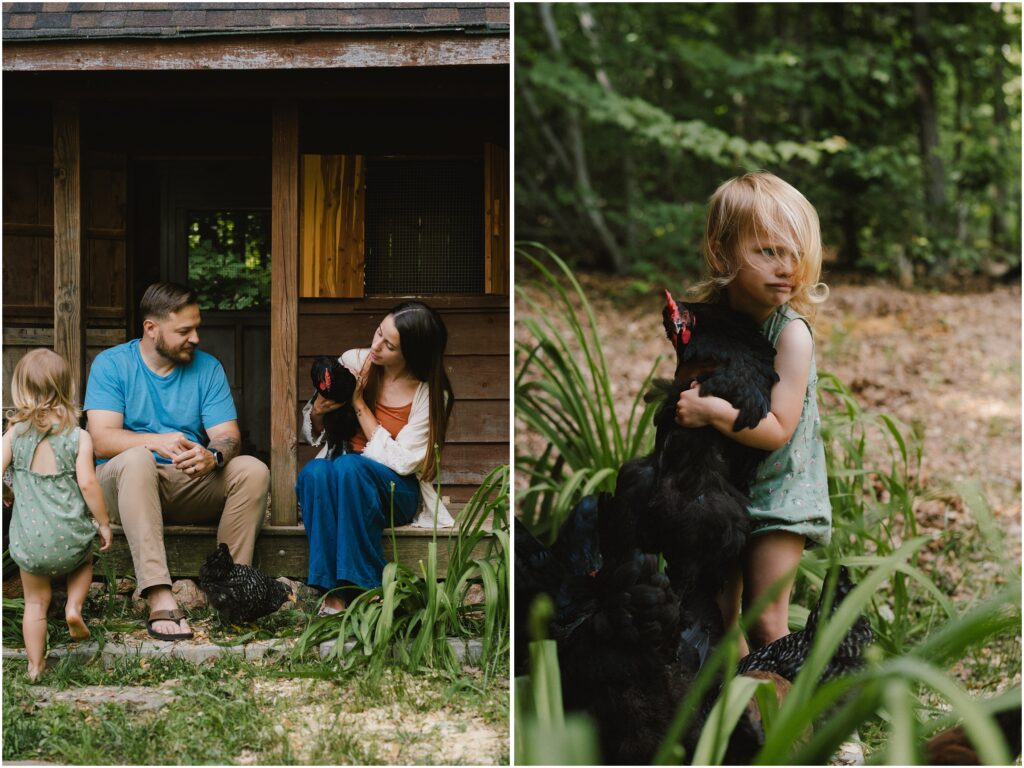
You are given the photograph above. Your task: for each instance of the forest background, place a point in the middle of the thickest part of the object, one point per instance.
(899, 122)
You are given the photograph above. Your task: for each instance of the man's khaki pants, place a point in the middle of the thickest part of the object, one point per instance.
(142, 494)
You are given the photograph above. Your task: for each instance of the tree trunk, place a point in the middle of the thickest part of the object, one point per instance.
(613, 256)
(999, 228)
(959, 203)
(928, 130)
(587, 23)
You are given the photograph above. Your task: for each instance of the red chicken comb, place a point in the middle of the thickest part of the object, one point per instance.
(680, 325)
(674, 321)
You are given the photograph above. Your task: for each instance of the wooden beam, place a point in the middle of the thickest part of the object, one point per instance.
(327, 51)
(43, 337)
(68, 336)
(282, 550)
(284, 303)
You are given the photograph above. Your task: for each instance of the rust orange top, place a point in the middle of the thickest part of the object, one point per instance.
(390, 417)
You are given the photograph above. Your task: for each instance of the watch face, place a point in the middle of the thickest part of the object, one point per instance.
(218, 457)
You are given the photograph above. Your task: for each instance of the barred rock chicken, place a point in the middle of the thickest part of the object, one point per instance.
(335, 382)
(240, 593)
(787, 655)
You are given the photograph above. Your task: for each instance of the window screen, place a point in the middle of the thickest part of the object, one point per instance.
(424, 226)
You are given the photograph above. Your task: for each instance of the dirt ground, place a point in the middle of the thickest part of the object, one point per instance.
(951, 362)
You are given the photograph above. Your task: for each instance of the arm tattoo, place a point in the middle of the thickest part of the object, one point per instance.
(226, 445)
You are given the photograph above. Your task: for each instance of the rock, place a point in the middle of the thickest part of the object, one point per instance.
(474, 595)
(134, 697)
(188, 594)
(122, 588)
(300, 590)
(139, 605)
(12, 588)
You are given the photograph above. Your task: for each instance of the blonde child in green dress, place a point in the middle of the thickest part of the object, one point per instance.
(54, 478)
(762, 251)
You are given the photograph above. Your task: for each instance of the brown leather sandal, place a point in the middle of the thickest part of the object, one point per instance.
(176, 616)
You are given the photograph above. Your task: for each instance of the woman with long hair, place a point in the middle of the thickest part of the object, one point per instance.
(402, 401)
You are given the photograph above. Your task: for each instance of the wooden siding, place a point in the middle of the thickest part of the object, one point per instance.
(333, 238)
(280, 51)
(28, 233)
(478, 365)
(18, 341)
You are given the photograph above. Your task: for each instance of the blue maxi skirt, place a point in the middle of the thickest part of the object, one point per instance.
(346, 504)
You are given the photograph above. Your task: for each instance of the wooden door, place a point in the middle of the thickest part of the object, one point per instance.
(215, 237)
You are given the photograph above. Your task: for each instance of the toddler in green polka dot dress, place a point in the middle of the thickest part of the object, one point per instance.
(55, 488)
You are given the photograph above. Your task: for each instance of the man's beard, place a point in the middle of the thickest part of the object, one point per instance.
(176, 356)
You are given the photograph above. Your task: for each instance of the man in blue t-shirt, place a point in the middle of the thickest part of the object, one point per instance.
(166, 437)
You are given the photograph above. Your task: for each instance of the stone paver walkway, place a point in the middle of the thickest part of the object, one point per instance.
(198, 651)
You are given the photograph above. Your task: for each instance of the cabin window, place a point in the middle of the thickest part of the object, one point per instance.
(229, 258)
(424, 226)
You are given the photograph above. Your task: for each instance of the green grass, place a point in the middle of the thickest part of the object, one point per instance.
(230, 708)
(563, 392)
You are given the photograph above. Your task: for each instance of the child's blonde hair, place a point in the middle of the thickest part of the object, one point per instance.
(43, 392)
(762, 207)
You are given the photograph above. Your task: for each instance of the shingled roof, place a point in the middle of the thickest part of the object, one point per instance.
(95, 21)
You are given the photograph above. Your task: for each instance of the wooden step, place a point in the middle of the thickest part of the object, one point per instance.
(281, 550)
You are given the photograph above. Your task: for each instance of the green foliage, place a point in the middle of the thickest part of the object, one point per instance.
(628, 117)
(229, 260)
(411, 615)
(563, 393)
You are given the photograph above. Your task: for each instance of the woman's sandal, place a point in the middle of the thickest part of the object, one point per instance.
(326, 610)
(176, 616)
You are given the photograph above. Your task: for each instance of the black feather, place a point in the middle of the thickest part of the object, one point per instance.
(335, 382)
(240, 593)
(786, 656)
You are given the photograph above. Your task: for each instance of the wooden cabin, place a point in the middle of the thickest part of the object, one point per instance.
(305, 167)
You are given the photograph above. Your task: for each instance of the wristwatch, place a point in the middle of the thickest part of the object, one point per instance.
(218, 457)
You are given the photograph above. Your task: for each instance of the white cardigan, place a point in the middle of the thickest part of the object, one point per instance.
(403, 453)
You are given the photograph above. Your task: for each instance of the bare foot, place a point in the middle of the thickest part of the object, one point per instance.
(76, 626)
(161, 599)
(335, 603)
(35, 670)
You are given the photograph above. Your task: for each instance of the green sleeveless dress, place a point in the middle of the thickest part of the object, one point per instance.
(790, 489)
(51, 529)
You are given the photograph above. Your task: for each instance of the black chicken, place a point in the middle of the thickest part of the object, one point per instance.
(703, 476)
(787, 655)
(616, 626)
(335, 382)
(240, 593)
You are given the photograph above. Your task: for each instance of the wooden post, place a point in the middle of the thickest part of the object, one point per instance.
(496, 220)
(284, 309)
(68, 326)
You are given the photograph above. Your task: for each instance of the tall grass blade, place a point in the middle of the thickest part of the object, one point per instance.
(714, 738)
